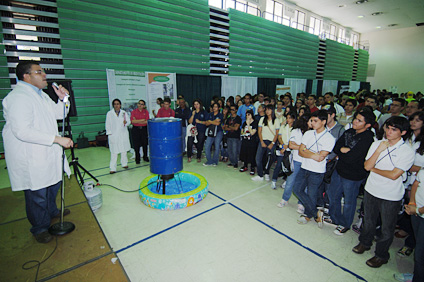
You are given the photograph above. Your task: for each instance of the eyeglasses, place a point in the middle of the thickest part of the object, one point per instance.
(232, 109)
(37, 71)
(141, 104)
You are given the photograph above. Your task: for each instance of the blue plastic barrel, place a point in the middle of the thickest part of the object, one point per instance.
(166, 145)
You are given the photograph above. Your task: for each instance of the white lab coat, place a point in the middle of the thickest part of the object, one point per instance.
(117, 132)
(33, 161)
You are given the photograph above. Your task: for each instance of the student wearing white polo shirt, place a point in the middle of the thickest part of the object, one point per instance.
(315, 147)
(387, 160)
(415, 208)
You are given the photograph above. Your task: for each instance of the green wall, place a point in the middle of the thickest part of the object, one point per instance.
(261, 48)
(338, 61)
(148, 35)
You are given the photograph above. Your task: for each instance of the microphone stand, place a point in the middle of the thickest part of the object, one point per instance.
(62, 228)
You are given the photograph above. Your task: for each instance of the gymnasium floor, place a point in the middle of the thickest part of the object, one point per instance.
(237, 233)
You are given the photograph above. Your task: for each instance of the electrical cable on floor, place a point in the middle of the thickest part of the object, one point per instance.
(38, 263)
(127, 191)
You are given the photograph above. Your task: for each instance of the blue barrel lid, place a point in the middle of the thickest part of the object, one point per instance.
(164, 119)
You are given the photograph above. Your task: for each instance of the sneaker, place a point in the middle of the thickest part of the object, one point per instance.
(236, 166)
(267, 177)
(252, 171)
(214, 164)
(303, 219)
(283, 185)
(319, 218)
(403, 277)
(243, 169)
(405, 252)
(340, 230)
(273, 185)
(257, 178)
(229, 165)
(300, 209)
(282, 203)
(328, 220)
(199, 160)
(206, 164)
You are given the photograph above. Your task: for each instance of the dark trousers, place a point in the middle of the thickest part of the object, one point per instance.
(41, 207)
(418, 225)
(373, 207)
(199, 145)
(140, 139)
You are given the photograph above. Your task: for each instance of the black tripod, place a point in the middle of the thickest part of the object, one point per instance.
(74, 162)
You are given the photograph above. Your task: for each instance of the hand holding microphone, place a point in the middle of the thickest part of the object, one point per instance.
(61, 92)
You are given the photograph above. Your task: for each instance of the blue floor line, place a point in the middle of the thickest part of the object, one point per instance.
(291, 239)
(300, 244)
(169, 228)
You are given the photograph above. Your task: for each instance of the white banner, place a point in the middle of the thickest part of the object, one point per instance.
(127, 86)
(161, 85)
(282, 89)
(297, 85)
(237, 85)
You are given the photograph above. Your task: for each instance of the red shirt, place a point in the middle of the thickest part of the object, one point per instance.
(314, 109)
(165, 113)
(136, 114)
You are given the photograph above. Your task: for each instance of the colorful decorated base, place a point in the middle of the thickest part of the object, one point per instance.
(184, 190)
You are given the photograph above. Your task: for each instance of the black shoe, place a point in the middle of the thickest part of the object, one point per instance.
(235, 166)
(376, 262)
(146, 159)
(43, 237)
(137, 162)
(65, 213)
(252, 171)
(360, 249)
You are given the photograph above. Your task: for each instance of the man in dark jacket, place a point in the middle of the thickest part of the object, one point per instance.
(351, 148)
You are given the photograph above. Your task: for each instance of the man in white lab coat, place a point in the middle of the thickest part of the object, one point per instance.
(33, 147)
(117, 122)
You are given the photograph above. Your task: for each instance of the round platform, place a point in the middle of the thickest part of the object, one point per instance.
(184, 190)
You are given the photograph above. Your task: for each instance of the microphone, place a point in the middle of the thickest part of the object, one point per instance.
(66, 99)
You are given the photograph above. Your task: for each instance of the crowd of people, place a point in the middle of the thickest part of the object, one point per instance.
(326, 151)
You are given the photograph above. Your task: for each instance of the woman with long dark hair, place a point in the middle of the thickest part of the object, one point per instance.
(414, 138)
(268, 133)
(299, 128)
(283, 145)
(249, 142)
(198, 114)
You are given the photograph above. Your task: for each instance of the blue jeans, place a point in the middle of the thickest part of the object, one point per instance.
(41, 207)
(233, 145)
(349, 188)
(224, 152)
(259, 155)
(291, 180)
(312, 180)
(418, 225)
(213, 140)
(373, 207)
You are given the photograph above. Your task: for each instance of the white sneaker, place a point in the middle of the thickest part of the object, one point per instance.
(273, 185)
(282, 203)
(303, 219)
(257, 178)
(283, 185)
(267, 177)
(300, 209)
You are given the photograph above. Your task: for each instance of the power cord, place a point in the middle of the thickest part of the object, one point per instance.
(125, 191)
(38, 263)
